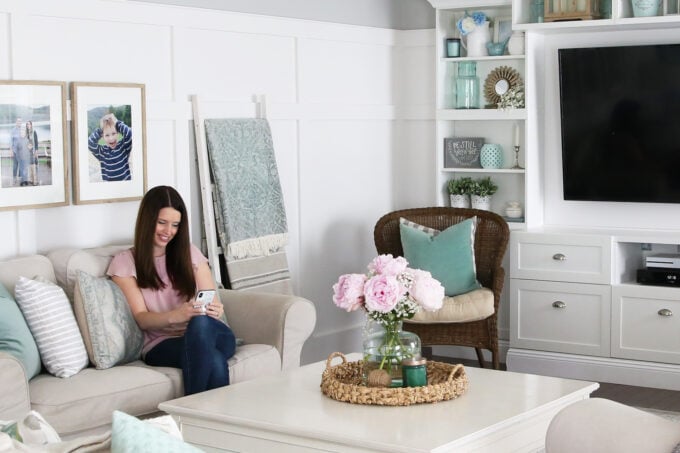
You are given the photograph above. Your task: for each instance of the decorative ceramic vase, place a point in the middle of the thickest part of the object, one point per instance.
(645, 8)
(459, 200)
(481, 202)
(385, 346)
(516, 43)
(491, 156)
(467, 86)
(475, 41)
(513, 210)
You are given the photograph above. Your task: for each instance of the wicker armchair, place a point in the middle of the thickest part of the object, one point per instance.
(491, 240)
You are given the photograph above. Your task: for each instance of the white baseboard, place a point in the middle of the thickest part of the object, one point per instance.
(461, 352)
(597, 369)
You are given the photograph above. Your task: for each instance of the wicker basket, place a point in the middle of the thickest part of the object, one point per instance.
(343, 382)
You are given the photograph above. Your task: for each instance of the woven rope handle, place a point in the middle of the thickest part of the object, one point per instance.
(334, 355)
(453, 372)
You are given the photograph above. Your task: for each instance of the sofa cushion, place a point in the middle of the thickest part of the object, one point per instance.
(468, 307)
(15, 336)
(68, 261)
(109, 330)
(87, 400)
(449, 255)
(28, 266)
(50, 317)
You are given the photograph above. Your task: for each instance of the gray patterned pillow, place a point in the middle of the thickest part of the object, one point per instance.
(111, 335)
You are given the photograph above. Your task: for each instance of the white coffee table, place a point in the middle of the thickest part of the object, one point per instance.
(500, 412)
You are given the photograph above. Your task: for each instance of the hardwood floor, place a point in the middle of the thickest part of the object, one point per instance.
(659, 399)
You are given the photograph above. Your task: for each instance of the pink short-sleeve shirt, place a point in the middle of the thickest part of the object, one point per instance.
(156, 301)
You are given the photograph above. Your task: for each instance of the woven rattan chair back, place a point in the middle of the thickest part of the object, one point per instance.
(491, 242)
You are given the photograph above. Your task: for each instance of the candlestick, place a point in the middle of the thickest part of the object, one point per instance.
(516, 142)
(517, 166)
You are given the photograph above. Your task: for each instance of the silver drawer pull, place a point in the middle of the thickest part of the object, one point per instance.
(559, 304)
(559, 257)
(665, 312)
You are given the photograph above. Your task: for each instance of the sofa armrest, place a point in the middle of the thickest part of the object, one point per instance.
(14, 400)
(598, 424)
(282, 321)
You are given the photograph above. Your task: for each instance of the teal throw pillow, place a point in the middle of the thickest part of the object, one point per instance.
(130, 435)
(448, 255)
(15, 336)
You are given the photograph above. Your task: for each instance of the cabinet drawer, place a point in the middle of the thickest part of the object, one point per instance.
(564, 258)
(639, 328)
(560, 317)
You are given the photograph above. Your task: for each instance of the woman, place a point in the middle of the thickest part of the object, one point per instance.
(160, 276)
(32, 137)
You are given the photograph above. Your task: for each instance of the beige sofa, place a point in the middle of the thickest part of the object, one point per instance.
(274, 328)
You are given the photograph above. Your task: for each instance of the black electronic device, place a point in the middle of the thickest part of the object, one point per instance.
(659, 276)
(620, 111)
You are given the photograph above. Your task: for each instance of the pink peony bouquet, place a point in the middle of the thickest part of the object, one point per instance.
(390, 291)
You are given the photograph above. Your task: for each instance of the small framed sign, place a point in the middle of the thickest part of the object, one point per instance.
(462, 152)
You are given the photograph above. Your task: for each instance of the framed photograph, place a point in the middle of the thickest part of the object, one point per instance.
(33, 159)
(502, 28)
(109, 142)
(462, 152)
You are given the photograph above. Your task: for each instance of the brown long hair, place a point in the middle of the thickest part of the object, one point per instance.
(177, 252)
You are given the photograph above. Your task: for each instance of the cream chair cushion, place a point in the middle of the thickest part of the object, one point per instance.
(472, 306)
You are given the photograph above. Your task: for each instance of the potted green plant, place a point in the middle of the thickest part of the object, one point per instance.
(459, 191)
(480, 193)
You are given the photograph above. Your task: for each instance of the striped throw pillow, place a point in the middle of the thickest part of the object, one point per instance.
(50, 318)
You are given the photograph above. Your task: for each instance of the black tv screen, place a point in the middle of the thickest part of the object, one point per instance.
(620, 118)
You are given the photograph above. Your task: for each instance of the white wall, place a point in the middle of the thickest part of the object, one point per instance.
(350, 109)
(557, 211)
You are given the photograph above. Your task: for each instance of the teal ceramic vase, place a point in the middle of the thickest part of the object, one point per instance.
(491, 156)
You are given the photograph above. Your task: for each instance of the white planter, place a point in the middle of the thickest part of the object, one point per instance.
(460, 201)
(481, 202)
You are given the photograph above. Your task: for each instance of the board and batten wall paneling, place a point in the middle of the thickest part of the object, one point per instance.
(346, 128)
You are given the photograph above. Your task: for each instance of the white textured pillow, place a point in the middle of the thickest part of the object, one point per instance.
(108, 327)
(49, 315)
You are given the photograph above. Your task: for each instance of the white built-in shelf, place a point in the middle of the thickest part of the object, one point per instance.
(481, 114)
(496, 58)
(484, 170)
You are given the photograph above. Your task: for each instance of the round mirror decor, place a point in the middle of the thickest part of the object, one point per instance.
(498, 82)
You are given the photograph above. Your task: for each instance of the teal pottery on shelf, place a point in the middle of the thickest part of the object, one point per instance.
(491, 156)
(385, 348)
(645, 8)
(497, 48)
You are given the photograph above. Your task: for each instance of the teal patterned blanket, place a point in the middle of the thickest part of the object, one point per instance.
(250, 213)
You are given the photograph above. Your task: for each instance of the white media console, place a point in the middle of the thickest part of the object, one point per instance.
(578, 312)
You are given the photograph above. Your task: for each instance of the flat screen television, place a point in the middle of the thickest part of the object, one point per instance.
(620, 119)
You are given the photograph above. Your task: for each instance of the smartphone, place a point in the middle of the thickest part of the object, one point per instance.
(204, 297)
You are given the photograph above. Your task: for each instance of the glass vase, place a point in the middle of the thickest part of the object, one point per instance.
(467, 86)
(385, 346)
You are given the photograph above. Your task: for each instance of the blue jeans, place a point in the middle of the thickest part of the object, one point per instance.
(202, 354)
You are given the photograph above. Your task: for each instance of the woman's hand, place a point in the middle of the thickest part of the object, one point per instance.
(182, 314)
(214, 309)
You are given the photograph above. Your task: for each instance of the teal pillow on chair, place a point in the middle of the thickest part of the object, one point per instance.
(131, 435)
(15, 336)
(448, 255)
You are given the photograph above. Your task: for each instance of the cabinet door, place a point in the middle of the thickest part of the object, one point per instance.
(560, 317)
(558, 257)
(646, 323)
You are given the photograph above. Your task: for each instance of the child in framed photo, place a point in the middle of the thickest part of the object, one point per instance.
(111, 145)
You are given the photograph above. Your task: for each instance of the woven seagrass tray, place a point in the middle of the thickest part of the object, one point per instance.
(343, 382)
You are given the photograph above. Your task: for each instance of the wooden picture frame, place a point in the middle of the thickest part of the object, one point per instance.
(109, 142)
(33, 158)
(502, 28)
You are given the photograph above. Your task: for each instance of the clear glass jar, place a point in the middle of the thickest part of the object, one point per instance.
(467, 86)
(385, 348)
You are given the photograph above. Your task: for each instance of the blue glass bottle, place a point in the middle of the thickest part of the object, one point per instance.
(467, 86)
